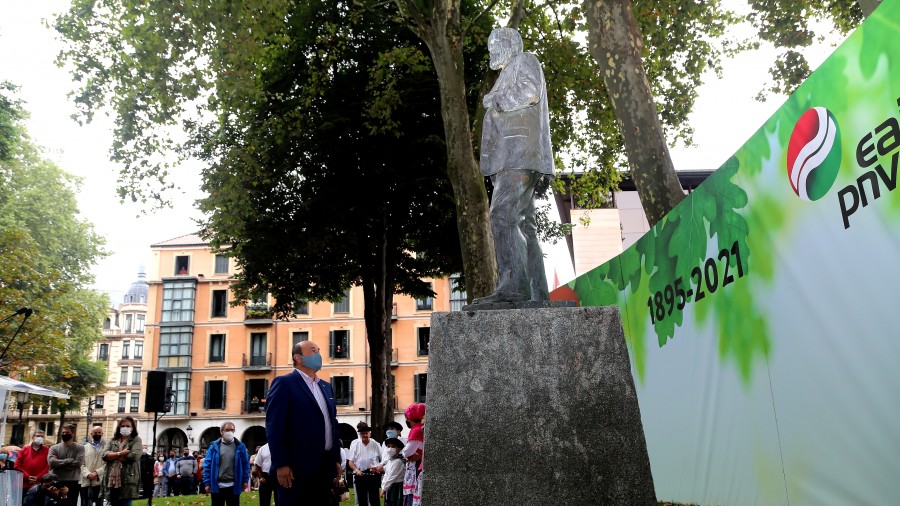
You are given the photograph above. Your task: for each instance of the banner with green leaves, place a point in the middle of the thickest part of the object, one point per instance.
(763, 313)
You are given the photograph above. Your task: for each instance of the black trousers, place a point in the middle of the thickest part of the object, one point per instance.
(74, 492)
(225, 497)
(367, 488)
(265, 490)
(314, 490)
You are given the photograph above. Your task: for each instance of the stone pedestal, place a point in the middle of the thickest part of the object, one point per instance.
(533, 407)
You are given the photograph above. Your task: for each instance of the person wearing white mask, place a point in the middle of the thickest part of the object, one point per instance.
(394, 468)
(226, 468)
(32, 461)
(92, 470)
(122, 475)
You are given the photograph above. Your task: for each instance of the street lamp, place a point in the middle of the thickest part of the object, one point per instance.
(21, 400)
(190, 432)
(90, 417)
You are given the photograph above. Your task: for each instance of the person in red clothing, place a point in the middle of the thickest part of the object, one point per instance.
(32, 461)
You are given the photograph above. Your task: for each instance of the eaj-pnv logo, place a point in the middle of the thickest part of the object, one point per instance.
(814, 154)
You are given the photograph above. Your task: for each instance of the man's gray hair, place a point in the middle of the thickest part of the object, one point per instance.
(222, 428)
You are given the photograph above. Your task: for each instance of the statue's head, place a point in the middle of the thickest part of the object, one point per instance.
(504, 43)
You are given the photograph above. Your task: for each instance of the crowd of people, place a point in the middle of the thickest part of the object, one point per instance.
(304, 463)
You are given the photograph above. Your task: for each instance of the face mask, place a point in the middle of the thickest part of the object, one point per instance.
(97, 437)
(391, 433)
(66, 437)
(39, 440)
(409, 424)
(125, 431)
(228, 436)
(172, 456)
(391, 452)
(161, 459)
(313, 361)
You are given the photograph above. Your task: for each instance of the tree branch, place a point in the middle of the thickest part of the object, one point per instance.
(518, 13)
(482, 13)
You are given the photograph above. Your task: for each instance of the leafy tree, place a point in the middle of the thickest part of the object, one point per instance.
(337, 179)
(46, 253)
(787, 24)
(194, 66)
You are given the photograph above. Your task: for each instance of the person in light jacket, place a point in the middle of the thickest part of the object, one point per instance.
(93, 469)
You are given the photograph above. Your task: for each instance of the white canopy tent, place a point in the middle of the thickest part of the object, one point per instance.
(8, 385)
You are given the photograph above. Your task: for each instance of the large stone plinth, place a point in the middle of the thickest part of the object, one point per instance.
(533, 407)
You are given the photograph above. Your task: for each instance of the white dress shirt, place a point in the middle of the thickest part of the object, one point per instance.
(264, 458)
(320, 399)
(364, 456)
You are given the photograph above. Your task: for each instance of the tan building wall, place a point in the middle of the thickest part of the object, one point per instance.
(245, 370)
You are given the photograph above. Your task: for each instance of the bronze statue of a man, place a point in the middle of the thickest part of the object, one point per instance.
(516, 154)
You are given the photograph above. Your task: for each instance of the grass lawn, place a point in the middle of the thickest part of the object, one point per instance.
(249, 499)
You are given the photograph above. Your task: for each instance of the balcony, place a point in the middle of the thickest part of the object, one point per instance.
(395, 357)
(394, 312)
(258, 314)
(256, 363)
(254, 407)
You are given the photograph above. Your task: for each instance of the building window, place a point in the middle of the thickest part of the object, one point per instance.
(139, 324)
(214, 394)
(181, 389)
(121, 403)
(136, 376)
(297, 337)
(98, 402)
(217, 348)
(175, 346)
(221, 264)
(103, 354)
(135, 403)
(139, 349)
(343, 390)
(255, 391)
(301, 307)
(126, 349)
(457, 294)
(421, 387)
(18, 434)
(182, 264)
(128, 319)
(106, 323)
(178, 301)
(426, 303)
(258, 348)
(343, 305)
(339, 343)
(424, 334)
(219, 303)
(47, 427)
(123, 376)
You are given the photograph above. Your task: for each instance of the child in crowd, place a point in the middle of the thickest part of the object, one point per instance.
(392, 481)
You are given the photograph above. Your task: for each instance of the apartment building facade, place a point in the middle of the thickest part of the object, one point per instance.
(222, 357)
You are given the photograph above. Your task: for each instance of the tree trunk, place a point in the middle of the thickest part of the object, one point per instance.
(378, 294)
(614, 41)
(868, 6)
(442, 36)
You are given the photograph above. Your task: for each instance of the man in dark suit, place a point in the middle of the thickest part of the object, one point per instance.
(301, 427)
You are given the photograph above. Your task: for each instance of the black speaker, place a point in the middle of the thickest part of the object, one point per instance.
(159, 391)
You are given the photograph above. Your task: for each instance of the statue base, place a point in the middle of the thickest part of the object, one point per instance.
(533, 407)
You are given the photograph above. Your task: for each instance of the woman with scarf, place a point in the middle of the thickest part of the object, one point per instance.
(121, 482)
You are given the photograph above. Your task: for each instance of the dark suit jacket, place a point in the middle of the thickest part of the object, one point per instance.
(295, 427)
